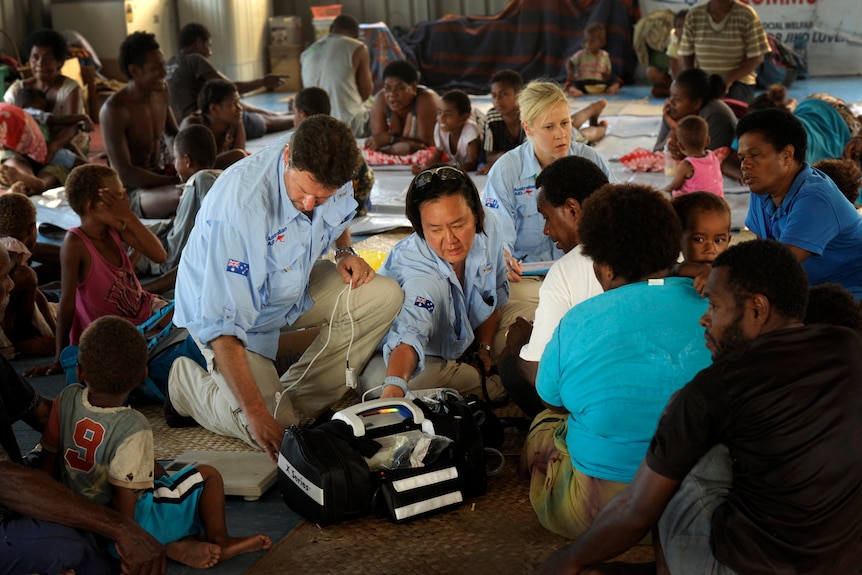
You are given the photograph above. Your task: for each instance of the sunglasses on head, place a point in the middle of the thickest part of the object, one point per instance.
(442, 173)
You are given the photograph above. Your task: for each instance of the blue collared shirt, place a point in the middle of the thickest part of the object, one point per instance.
(245, 269)
(814, 216)
(439, 315)
(511, 192)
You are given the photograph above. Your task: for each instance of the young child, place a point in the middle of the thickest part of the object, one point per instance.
(503, 129)
(592, 64)
(700, 170)
(97, 276)
(59, 131)
(312, 101)
(705, 220)
(105, 453)
(456, 133)
(29, 321)
(662, 78)
(194, 156)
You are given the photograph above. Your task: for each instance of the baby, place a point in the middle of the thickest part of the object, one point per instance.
(456, 133)
(700, 170)
(592, 64)
(705, 220)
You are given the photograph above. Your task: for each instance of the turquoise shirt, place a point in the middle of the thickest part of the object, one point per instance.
(614, 361)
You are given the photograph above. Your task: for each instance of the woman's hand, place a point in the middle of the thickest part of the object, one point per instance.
(514, 269)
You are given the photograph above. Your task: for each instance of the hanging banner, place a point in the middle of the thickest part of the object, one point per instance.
(827, 29)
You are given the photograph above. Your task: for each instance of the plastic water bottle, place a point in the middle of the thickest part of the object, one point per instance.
(669, 162)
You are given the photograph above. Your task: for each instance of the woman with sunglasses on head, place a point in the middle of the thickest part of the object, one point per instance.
(454, 280)
(511, 188)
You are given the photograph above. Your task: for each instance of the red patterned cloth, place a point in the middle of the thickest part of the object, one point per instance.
(642, 160)
(21, 133)
(376, 158)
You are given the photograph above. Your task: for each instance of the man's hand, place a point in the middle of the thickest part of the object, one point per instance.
(558, 563)
(139, 553)
(48, 369)
(355, 270)
(272, 81)
(518, 335)
(267, 432)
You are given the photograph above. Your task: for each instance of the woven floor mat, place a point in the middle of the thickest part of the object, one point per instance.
(169, 442)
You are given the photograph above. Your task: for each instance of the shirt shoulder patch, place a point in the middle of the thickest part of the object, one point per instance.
(237, 267)
(424, 303)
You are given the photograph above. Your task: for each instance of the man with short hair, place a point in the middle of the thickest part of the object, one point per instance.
(189, 70)
(44, 527)
(756, 465)
(134, 120)
(251, 267)
(340, 64)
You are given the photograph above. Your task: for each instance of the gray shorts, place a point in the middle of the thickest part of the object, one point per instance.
(686, 524)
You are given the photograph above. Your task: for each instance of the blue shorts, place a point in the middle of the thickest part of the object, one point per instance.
(254, 125)
(31, 546)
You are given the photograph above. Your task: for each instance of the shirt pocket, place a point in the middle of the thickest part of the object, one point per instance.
(286, 276)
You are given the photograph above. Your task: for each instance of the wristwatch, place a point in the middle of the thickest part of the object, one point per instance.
(484, 346)
(346, 250)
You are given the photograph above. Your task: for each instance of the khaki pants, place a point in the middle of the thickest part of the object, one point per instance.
(205, 396)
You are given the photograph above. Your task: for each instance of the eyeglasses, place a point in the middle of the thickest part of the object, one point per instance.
(442, 173)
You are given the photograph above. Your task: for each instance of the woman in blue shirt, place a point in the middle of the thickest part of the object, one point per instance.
(454, 280)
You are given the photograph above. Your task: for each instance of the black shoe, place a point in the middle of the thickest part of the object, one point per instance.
(174, 419)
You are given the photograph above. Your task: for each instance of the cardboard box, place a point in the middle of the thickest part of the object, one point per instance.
(291, 345)
(284, 60)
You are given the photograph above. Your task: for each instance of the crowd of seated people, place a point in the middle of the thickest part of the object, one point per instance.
(634, 409)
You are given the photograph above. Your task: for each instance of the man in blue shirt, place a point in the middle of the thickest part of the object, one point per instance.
(251, 267)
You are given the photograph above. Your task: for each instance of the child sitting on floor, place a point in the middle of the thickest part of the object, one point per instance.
(97, 276)
(456, 133)
(105, 452)
(705, 220)
(700, 170)
(194, 156)
(591, 66)
(59, 131)
(29, 321)
(503, 129)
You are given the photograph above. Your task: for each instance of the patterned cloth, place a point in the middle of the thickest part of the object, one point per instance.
(378, 158)
(20, 132)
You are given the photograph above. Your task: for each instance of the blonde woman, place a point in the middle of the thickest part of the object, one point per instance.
(510, 190)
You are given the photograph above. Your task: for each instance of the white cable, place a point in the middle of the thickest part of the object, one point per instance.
(352, 327)
(380, 387)
(328, 337)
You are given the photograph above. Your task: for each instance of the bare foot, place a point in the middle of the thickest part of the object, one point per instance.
(194, 553)
(595, 133)
(233, 546)
(19, 187)
(574, 92)
(595, 110)
(10, 175)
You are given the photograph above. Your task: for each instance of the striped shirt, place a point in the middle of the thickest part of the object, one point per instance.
(720, 47)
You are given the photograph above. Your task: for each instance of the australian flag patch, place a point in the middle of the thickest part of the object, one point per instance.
(492, 203)
(425, 303)
(237, 267)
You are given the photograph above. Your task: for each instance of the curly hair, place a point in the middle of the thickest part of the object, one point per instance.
(700, 85)
(774, 97)
(214, 92)
(538, 97)
(192, 32)
(569, 177)
(510, 78)
(779, 127)
(401, 69)
(846, 175)
(687, 205)
(631, 228)
(595, 28)
(17, 214)
(47, 38)
(112, 354)
(197, 142)
(83, 183)
(312, 101)
(768, 268)
(832, 304)
(31, 97)
(439, 182)
(134, 50)
(326, 148)
(459, 99)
